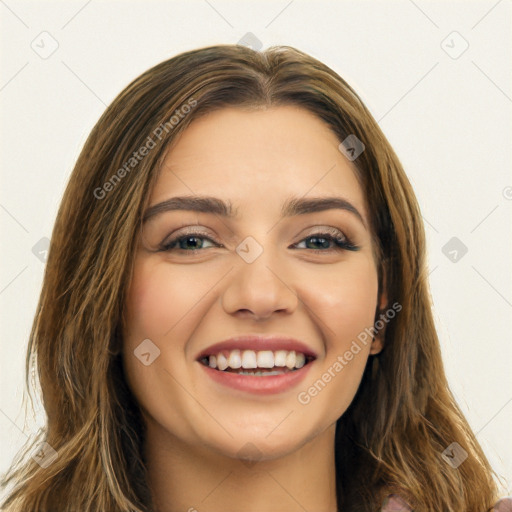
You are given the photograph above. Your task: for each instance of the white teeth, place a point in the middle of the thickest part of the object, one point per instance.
(234, 359)
(265, 359)
(222, 362)
(300, 360)
(280, 358)
(290, 359)
(249, 359)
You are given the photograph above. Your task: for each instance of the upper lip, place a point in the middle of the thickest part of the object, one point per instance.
(258, 343)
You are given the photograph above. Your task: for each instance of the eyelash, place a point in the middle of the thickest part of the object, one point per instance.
(333, 235)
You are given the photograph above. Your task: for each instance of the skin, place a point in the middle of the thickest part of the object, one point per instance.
(198, 430)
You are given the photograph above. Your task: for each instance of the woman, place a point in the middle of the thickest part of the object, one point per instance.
(287, 358)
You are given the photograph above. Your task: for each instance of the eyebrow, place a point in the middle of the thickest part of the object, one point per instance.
(292, 207)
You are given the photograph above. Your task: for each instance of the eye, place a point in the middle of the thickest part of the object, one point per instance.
(187, 242)
(326, 237)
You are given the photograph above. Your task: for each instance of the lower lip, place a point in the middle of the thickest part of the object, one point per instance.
(259, 385)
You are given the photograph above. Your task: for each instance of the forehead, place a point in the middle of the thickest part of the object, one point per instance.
(257, 159)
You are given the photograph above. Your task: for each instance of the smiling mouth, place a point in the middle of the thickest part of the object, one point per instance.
(263, 363)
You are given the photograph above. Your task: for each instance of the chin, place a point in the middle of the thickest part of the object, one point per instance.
(257, 445)
(258, 449)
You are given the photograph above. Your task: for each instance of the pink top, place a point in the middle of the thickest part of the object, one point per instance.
(394, 503)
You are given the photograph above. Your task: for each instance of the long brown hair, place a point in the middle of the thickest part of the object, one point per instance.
(403, 415)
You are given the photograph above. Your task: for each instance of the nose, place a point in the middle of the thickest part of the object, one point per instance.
(260, 288)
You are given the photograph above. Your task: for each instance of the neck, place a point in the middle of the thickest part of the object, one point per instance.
(194, 479)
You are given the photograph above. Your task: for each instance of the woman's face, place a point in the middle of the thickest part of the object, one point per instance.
(255, 272)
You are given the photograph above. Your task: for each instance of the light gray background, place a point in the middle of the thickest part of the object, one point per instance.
(445, 111)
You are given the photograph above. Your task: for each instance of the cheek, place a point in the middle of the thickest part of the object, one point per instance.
(345, 300)
(159, 306)
(158, 299)
(345, 305)
(163, 306)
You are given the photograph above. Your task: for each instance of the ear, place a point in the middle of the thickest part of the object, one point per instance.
(382, 304)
